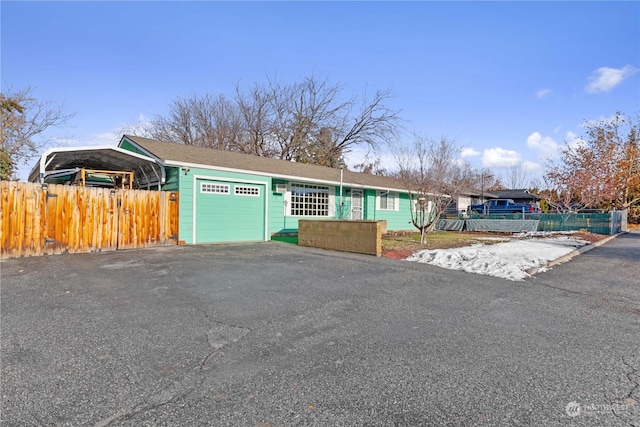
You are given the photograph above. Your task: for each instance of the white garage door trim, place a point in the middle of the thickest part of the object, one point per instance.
(231, 180)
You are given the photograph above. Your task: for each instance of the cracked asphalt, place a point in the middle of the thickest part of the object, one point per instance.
(268, 334)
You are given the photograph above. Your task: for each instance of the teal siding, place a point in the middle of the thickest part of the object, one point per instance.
(399, 220)
(278, 222)
(185, 219)
(126, 145)
(172, 181)
(346, 204)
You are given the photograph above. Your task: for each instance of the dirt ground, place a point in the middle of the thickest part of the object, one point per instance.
(402, 245)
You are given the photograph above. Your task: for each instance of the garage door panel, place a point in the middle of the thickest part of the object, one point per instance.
(227, 211)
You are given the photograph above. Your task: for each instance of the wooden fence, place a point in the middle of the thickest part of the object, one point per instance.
(41, 219)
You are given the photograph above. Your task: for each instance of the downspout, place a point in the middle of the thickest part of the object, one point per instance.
(341, 203)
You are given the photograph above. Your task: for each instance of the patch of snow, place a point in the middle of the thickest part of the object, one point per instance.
(511, 260)
(543, 233)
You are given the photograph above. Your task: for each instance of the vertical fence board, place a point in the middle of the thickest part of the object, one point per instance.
(123, 220)
(30, 242)
(49, 222)
(172, 219)
(18, 218)
(139, 221)
(72, 200)
(5, 218)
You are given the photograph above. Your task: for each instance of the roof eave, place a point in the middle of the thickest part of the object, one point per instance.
(178, 163)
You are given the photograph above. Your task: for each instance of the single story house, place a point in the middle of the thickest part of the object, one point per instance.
(227, 196)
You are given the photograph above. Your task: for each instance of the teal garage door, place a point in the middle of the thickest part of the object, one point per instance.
(229, 211)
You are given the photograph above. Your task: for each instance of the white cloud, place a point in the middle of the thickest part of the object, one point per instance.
(460, 162)
(107, 138)
(469, 152)
(545, 145)
(543, 92)
(604, 78)
(531, 167)
(573, 140)
(499, 157)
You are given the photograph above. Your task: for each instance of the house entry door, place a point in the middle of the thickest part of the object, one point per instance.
(356, 204)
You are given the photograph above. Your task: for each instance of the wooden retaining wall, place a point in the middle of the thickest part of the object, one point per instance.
(41, 219)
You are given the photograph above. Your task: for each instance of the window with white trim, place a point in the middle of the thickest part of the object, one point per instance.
(214, 188)
(387, 201)
(244, 190)
(309, 200)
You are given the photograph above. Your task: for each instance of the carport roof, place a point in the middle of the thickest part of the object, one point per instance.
(180, 155)
(147, 171)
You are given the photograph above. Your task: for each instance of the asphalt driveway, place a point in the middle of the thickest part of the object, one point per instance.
(274, 334)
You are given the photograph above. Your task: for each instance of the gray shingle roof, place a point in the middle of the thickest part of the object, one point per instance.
(522, 193)
(178, 154)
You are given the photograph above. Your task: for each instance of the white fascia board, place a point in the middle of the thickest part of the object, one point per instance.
(175, 163)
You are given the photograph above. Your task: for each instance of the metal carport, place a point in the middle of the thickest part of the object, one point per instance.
(57, 162)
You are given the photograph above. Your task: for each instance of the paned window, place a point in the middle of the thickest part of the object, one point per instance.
(387, 201)
(209, 187)
(240, 190)
(309, 200)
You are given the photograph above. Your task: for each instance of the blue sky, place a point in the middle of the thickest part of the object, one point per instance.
(509, 81)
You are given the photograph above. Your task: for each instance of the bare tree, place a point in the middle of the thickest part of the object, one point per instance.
(256, 111)
(140, 127)
(371, 166)
(309, 121)
(24, 121)
(203, 121)
(434, 178)
(372, 124)
(517, 177)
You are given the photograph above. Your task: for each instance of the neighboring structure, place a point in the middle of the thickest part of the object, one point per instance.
(227, 196)
(520, 196)
(467, 198)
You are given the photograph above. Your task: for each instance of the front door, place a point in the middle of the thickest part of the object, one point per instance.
(356, 204)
